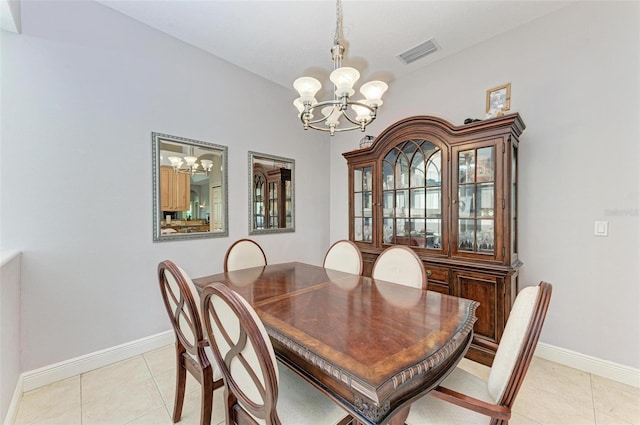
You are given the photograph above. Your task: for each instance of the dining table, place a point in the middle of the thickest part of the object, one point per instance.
(372, 346)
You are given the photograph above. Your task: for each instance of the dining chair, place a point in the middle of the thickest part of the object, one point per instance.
(193, 353)
(243, 254)
(463, 398)
(344, 256)
(257, 390)
(400, 264)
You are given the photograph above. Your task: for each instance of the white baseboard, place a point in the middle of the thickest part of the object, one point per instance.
(49, 374)
(12, 412)
(614, 371)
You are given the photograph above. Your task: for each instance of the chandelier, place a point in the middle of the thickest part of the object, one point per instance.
(343, 78)
(190, 165)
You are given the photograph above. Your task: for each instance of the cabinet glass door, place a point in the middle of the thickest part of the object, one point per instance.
(476, 200)
(273, 205)
(412, 195)
(288, 205)
(362, 204)
(259, 195)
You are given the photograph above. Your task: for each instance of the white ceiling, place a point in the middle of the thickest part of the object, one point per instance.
(283, 40)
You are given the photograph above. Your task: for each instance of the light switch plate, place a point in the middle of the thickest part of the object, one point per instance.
(601, 228)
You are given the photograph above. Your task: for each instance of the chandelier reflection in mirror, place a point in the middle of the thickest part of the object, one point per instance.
(190, 165)
(333, 111)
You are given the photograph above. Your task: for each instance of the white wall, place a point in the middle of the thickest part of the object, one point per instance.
(575, 80)
(83, 87)
(10, 368)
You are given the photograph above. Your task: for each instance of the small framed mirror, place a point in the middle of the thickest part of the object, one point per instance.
(189, 189)
(271, 194)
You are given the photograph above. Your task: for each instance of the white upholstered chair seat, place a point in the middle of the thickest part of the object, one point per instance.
(429, 410)
(300, 403)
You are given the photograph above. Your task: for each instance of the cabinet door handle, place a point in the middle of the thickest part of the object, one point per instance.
(428, 272)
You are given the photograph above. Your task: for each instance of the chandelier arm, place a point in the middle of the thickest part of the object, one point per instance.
(336, 129)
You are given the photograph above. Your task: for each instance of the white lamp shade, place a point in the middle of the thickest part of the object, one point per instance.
(332, 115)
(373, 91)
(307, 87)
(206, 164)
(190, 160)
(344, 78)
(362, 113)
(176, 161)
(299, 106)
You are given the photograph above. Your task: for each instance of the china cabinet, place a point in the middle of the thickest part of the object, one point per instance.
(450, 193)
(259, 197)
(271, 198)
(175, 190)
(279, 183)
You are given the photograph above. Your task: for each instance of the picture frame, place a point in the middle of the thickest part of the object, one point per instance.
(499, 98)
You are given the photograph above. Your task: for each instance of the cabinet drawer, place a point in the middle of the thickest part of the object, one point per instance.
(438, 287)
(437, 274)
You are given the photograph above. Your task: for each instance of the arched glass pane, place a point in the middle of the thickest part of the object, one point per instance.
(387, 176)
(402, 172)
(392, 155)
(412, 195)
(416, 177)
(434, 167)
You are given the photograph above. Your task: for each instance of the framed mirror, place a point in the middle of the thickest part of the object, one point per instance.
(189, 189)
(271, 194)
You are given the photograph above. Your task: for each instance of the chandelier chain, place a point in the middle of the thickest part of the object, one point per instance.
(336, 37)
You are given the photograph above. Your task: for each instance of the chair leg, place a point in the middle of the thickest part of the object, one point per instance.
(207, 396)
(181, 382)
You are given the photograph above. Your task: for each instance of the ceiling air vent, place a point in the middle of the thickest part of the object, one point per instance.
(418, 52)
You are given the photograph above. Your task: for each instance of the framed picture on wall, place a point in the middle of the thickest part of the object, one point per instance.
(499, 98)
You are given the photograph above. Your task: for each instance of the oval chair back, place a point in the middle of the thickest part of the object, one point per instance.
(400, 264)
(344, 256)
(192, 349)
(243, 254)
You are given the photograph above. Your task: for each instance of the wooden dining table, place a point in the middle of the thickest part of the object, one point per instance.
(372, 346)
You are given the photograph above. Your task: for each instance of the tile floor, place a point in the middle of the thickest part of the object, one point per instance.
(139, 391)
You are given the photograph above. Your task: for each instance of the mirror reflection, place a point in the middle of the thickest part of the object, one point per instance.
(190, 188)
(271, 189)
